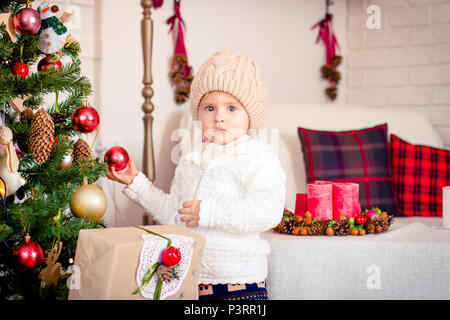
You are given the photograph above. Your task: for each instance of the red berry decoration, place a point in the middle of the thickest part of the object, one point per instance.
(371, 213)
(27, 21)
(85, 119)
(27, 253)
(360, 219)
(20, 69)
(47, 63)
(170, 256)
(117, 157)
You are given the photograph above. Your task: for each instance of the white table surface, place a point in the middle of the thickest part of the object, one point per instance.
(410, 261)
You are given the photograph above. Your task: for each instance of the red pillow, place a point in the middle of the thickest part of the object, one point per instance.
(419, 173)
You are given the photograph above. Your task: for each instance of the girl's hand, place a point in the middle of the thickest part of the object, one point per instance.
(190, 212)
(126, 177)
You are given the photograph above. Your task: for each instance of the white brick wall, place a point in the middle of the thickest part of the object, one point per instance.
(406, 63)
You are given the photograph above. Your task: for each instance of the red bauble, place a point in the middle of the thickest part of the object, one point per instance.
(47, 63)
(27, 21)
(85, 119)
(28, 254)
(170, 256)
(117, 157)
(20, 69)
(360, 219)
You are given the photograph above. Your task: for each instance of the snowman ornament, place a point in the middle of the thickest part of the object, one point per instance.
(53, 32)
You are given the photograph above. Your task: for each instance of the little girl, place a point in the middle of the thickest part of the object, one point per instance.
(230, 190)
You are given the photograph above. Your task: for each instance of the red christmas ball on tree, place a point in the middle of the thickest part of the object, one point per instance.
(47, 63)
(20, 69)
(117, 157)
(27, 21)
(28, 254)
(170, 256)
(85, 119)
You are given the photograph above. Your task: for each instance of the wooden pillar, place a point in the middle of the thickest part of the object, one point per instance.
(147, 93)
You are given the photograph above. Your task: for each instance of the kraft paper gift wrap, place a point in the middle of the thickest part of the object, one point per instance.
(107, 263)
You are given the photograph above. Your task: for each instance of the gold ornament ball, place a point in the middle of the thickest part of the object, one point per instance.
(66, 162)
(88, 202)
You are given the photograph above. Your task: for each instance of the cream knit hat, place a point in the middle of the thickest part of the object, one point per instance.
(236, 74)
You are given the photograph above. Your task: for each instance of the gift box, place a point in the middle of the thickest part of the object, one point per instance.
(111, 263)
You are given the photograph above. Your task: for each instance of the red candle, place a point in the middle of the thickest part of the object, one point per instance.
(345, 199)
(320, 200)
(301, 204)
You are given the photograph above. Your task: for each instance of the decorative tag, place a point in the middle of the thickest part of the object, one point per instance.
(151, 254)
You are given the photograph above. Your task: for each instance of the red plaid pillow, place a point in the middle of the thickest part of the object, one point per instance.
(358, 156)
(419, 173)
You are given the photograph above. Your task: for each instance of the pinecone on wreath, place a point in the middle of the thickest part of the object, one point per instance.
(319, 227)
(341, 228)
(288, 226)
(383, 222)
(369, 226)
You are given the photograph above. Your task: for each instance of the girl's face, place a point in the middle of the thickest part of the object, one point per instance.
(223, 118)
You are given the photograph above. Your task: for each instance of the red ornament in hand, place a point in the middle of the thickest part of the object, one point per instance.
(28, 254)
(20, 69)
(117, 157)
(47, 63)
(85, 119)
(27, 21)
(170, 256)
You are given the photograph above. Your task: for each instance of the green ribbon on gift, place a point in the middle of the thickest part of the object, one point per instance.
(152, 270)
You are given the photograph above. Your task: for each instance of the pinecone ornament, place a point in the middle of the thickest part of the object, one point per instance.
(164, 273)
(58, 117)
(319, 227)
(369, 226)
(181, 77)
(26, 115)
(331, 92)
(341, 227)
(81, 150)
(41, 136)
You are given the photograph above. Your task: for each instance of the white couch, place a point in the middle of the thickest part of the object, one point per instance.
(408, 262)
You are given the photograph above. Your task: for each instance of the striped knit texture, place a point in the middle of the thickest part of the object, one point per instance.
(236, 74)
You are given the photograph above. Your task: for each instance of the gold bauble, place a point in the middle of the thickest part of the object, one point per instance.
(88, 202)
(66, 162)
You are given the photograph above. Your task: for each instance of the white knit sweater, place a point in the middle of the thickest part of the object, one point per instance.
(242, 189)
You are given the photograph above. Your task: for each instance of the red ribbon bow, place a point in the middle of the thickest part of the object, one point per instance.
(326, 34)
(180, 47)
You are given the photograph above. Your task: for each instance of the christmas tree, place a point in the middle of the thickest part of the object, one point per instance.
(47, 169)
